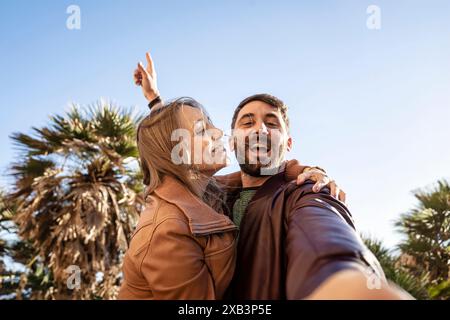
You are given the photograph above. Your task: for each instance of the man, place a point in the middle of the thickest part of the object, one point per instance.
(294, 242)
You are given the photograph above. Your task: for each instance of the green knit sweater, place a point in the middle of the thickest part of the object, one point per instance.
(241, 204)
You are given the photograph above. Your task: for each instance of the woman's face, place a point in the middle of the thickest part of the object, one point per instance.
(207, 151)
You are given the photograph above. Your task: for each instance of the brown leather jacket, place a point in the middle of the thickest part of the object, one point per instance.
(181, 249)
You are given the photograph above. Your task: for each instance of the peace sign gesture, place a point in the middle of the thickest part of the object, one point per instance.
(146, 78)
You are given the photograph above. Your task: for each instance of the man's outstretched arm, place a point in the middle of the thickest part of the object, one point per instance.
(325, 257)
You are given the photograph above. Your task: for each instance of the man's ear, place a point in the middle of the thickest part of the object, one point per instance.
(289, 144)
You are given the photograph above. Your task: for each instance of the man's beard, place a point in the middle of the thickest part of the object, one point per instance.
(259, 169)
(253, 170)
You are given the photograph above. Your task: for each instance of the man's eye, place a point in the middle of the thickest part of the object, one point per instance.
(247, 123)
(272, 124)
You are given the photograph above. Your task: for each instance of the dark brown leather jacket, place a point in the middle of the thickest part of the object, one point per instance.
(292, 239)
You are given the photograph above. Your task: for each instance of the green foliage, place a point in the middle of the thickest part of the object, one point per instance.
(422, 266)
(427, 241)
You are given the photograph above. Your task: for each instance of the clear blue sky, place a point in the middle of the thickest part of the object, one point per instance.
(370, 106)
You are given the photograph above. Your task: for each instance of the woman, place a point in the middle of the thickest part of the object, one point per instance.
(184, 244)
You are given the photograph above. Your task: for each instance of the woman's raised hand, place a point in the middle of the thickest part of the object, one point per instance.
(146, 78)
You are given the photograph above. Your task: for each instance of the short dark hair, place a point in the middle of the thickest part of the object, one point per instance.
(263, 97)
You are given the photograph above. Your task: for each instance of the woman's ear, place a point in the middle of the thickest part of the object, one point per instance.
(145, 171)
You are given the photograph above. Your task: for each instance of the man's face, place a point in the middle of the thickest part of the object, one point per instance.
(260, 138)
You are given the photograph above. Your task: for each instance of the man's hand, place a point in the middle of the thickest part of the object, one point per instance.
(352, 285)
(322, 180)
(146, 78)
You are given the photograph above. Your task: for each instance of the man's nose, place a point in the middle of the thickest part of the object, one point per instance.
(262, 129)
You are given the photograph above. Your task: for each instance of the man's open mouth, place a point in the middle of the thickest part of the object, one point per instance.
(258, 147)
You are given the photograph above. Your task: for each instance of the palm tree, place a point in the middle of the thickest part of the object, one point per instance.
(76, 188)
(427, 230)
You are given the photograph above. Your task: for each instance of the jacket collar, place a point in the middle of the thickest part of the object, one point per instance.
(202, 219)
(232, 183)
(270, 187)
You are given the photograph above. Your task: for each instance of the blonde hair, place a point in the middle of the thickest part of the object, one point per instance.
(155, 152)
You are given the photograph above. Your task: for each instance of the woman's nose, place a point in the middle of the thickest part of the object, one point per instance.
(217, 134)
